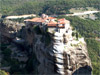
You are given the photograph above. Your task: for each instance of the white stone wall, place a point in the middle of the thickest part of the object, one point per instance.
(62, 30)
(67, 26)
(58, 51)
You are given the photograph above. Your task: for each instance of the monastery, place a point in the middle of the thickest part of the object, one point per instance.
(67, 53)
(53, 24)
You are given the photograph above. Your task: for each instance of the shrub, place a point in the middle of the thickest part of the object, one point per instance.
(37, 29)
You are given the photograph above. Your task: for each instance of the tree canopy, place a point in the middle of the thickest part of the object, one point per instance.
(17, 7)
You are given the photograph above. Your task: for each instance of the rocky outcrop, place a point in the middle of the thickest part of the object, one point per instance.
(9, 29)
(58, 53)
(13, 26)
(64, 54)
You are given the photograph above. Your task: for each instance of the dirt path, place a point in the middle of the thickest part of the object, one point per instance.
(20, 16)
(82, 13)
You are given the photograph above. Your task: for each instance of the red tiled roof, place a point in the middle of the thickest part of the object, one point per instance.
(51, 23)
(63, 19)
(39, 19)
(54, 24)
(51, 18)
(62, 23)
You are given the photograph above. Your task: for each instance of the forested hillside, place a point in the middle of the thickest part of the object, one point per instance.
(90, 29)
(17, 7)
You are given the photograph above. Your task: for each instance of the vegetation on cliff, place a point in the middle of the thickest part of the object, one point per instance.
(86, 27)
(94, 53)
(45, 35)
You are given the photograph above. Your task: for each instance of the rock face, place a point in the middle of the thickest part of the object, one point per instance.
(58, 53)
(65, 54)
(9, 29)
(13, 26)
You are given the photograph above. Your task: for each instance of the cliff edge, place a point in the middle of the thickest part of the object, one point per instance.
(58, 48)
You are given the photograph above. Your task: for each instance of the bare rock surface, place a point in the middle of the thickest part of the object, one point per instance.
(68, 58)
